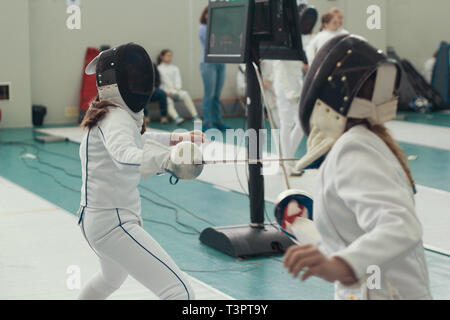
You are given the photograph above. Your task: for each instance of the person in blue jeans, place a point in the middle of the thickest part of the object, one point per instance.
(160, 96)
(213, 75)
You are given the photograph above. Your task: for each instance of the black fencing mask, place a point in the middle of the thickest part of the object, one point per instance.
(125, 71)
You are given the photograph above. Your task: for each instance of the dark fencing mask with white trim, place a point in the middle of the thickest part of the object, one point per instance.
(348, 78)
(125, 71)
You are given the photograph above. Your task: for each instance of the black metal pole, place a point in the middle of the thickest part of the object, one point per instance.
(253, 239)
(255, 121)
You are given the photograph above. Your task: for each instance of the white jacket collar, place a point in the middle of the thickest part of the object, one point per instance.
(111, 93)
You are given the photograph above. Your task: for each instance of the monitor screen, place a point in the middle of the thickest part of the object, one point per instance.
(233, 24)
(227, 30)
(228, 33)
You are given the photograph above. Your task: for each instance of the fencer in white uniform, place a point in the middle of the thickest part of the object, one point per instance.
(114, 156)
(371, 238)
(288, 82)
(268, 74)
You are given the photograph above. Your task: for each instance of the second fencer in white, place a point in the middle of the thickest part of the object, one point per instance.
(371, 238)
(267, 73)
(288, 82)
(115, 153)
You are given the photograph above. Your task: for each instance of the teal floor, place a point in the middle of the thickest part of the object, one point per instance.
(435, 119)
(262, 278)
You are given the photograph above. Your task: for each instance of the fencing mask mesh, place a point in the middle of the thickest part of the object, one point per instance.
(127, 68)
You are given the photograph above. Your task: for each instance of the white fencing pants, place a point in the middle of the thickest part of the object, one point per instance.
(125, 248)
(291, 133)
(186, 98)
(270, 96)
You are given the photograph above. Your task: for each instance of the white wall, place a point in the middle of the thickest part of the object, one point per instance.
(414, 28)
(58, 53)
(355, 18)
(15, 62)
(356, 21)
(417, 27)
(36, 30)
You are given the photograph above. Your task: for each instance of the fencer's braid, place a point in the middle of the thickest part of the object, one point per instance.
(383, 133)
(96, 112)
(144, 127)
(366, 92)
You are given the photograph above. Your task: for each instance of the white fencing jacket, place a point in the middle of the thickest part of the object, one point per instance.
(364, 211)
(267, 73)
(288, 80)
(170, 78)
(114, 155)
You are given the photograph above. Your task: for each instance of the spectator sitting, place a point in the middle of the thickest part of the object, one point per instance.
(160, 96)
(171, 83)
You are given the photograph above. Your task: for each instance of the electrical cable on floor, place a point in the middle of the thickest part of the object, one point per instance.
(40, 149)
(33, 145)
(177, 205)
(38, 158)
(24, 143)
(175, 210)
(23, 146)
(24, 151)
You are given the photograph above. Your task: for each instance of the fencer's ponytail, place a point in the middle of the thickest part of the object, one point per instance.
(96, 112)
(366, 92)
(144, 127)
(383, 133)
